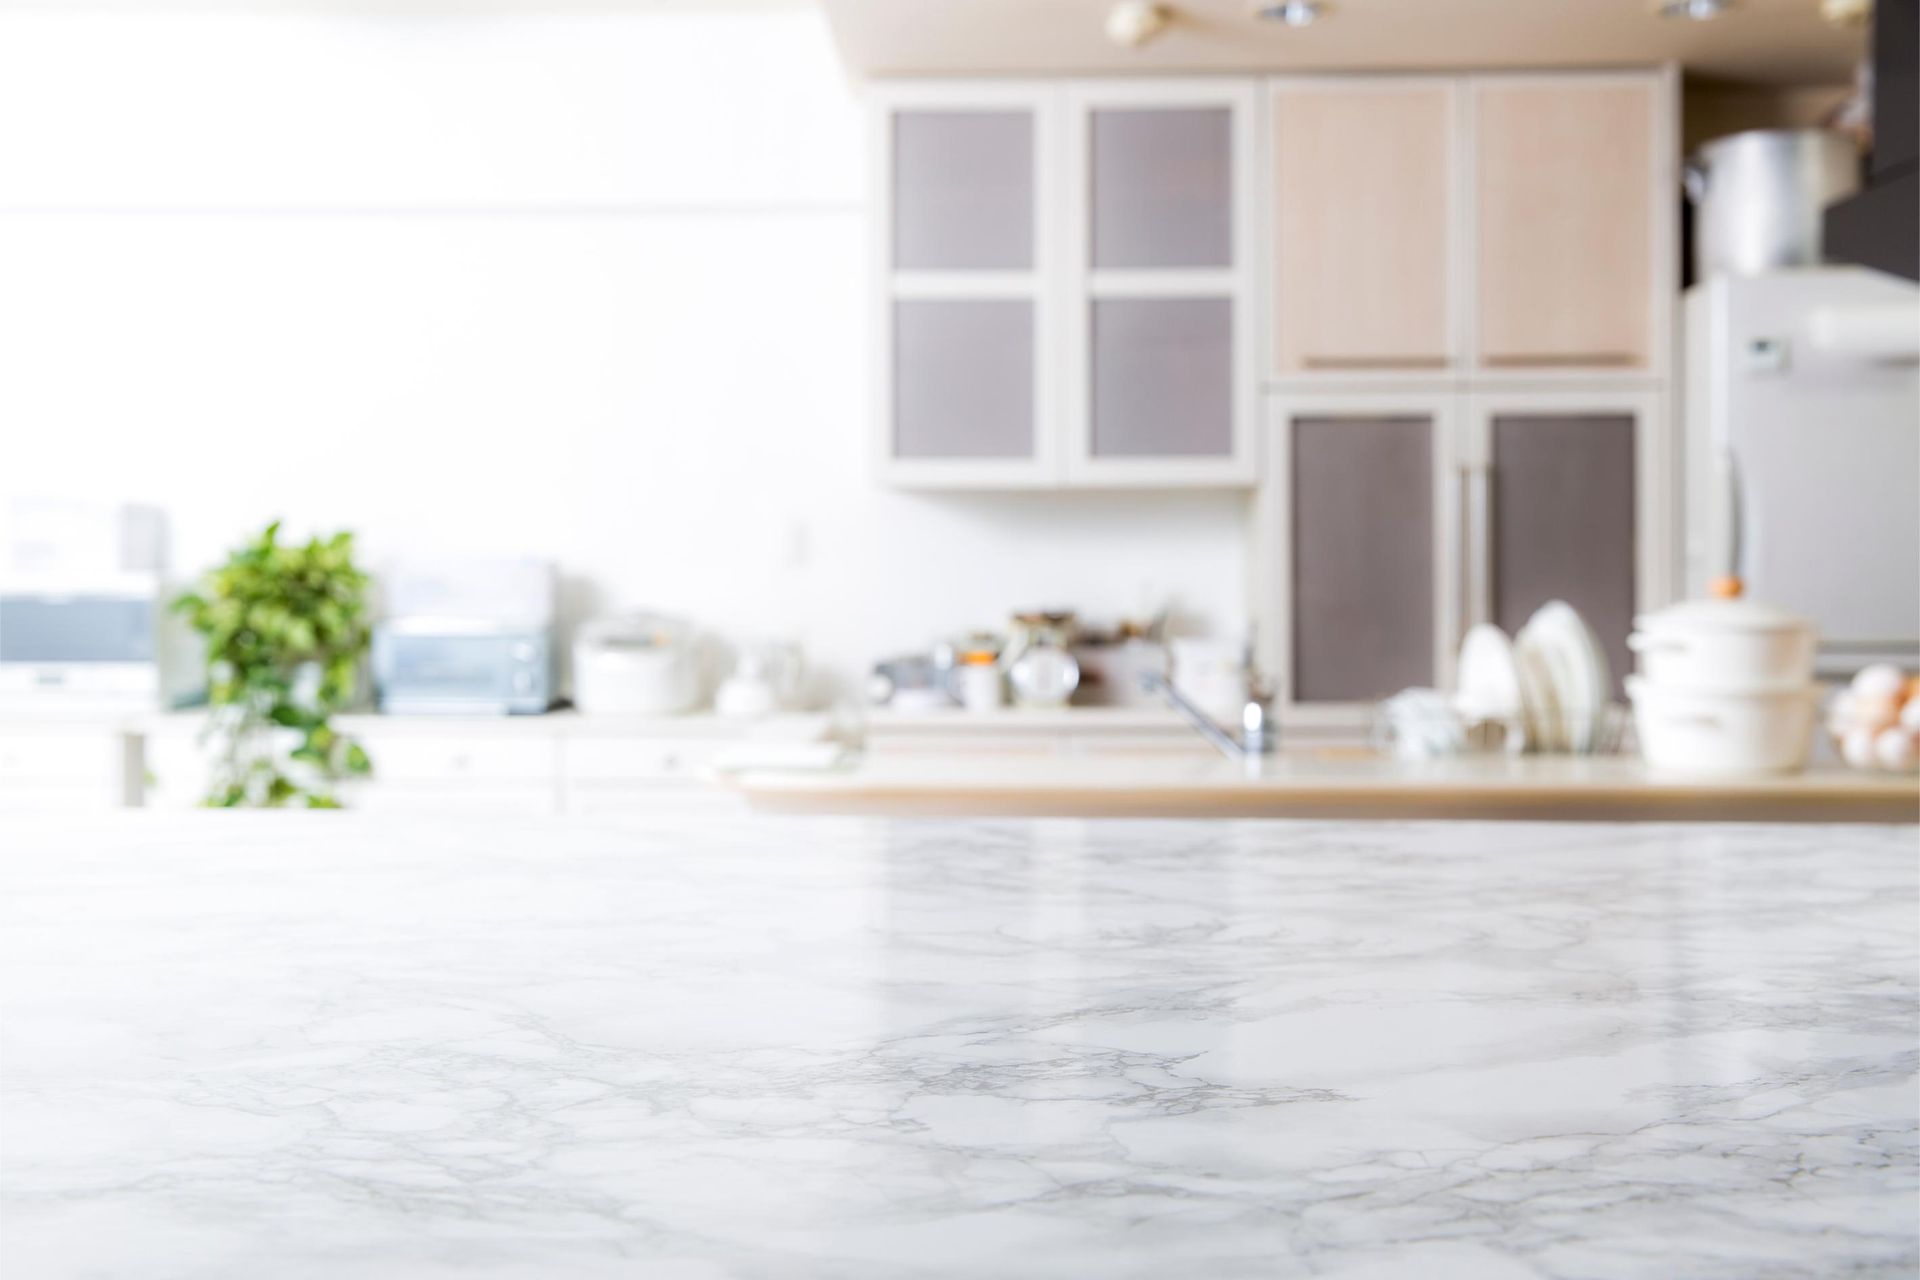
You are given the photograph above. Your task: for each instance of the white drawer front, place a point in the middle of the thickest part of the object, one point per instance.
(30, 796)
(59, 754)
(452, 800)
(412, 757)
(597, 759)
(652, 801)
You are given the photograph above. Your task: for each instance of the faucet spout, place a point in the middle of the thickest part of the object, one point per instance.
(1256, 735)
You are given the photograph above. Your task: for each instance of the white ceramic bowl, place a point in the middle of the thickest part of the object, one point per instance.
(1723, 644)
(1763, 730)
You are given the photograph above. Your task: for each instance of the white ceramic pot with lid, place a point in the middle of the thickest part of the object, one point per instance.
(1709, 731)
(1724, 645)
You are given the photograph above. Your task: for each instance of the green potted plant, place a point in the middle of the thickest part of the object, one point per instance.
(286, 632)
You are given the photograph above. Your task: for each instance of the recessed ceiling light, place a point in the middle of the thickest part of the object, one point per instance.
(1692, 10)
(1295, 13)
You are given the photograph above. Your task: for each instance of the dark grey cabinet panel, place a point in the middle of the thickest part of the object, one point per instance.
(1162, 377)
(1563, 516)
(963, 197)
(1361, 493)
(1161, 188)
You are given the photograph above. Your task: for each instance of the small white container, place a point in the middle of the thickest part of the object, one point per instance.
(1756, 730)
(1725, 645)
(979, 685)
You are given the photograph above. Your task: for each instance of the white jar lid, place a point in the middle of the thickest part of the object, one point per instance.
(1695, 616)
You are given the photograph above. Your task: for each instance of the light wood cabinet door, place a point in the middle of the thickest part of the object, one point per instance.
(1565, 222)
(1362, 227)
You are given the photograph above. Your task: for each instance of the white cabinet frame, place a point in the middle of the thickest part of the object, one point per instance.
(1081, 285)
(1040, 285)
(1654, 524)
(1459, 240)
(1272, 561)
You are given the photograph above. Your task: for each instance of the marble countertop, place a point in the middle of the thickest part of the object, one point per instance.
(291, 1046)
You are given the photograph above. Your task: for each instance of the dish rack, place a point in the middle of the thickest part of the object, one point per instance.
(1420, 729)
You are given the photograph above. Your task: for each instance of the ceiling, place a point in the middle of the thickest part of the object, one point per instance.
(1755, 41)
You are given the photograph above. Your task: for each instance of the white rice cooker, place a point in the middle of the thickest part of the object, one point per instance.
(641, 664)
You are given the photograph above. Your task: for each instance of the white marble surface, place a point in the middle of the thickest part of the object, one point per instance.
(266, 1046)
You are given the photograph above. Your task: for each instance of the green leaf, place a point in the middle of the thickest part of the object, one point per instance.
(359, 763)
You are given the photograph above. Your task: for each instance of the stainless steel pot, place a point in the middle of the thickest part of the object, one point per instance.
(1758, 198)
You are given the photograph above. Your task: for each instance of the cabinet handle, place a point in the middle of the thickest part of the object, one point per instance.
(1376, 362)
(1571, 359)
(1476, 502)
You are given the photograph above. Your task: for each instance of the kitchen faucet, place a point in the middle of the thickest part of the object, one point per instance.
(1256, 737)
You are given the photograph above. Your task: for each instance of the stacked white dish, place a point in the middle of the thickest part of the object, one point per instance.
(1549, 687)
(1725, 686)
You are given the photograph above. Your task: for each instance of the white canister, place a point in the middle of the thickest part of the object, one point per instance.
(1757, 730)
(977, 683)
(1724, 645)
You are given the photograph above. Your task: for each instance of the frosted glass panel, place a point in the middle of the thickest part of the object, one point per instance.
(963, 378)
(1363, 591)
(1563, 523)
(963, 190)
(1162, 377)
(1162, 188)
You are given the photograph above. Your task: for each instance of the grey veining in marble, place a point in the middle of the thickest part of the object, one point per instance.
(274, 1048)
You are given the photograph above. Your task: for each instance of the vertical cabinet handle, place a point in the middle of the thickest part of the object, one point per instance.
(1476, 518)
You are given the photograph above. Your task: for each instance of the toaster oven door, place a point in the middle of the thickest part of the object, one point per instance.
(49, 630)
(477, 674)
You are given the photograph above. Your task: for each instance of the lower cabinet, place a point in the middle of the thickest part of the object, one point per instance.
(1568, 500)
(1358, 552)
(560, 763)
(1389, 523)
(59, 767)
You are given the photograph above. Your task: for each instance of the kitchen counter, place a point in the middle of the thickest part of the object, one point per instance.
(298, 1045)
(1330, 783)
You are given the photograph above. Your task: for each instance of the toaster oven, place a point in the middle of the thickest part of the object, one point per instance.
(436, 669)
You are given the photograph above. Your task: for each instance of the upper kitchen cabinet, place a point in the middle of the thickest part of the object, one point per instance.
(1573, 180)
(1362, 238)
(965, 273)
(1157, 283)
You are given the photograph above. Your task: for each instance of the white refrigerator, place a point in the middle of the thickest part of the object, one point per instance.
(1802, 452)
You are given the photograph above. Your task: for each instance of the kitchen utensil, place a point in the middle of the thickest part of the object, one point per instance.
(1756, 730)
(977, 681)
(637, 664)
(1723, 644)
(1759, 198)
(1045, 675)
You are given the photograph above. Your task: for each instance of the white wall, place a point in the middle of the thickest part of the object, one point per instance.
(587, 286)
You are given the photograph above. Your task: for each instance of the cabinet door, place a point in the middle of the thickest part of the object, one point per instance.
(965, 318)
(1566, 222)
(1568, 504)
(1159, 321)
(1358, 553)
(1362, 228)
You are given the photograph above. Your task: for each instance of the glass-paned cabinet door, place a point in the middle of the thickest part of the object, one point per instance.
(1567, 500)
(965, 315)
(1157, 282)
(1358, 552)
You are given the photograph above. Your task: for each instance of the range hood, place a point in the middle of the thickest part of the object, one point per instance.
(1880, 227)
